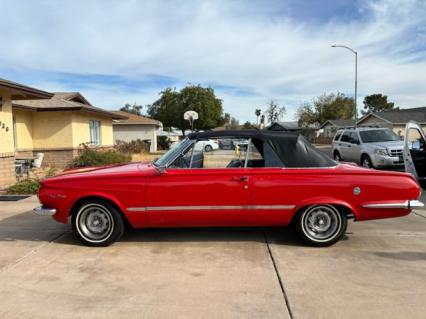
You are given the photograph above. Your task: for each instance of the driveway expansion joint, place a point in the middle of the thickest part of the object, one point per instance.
(32, 252)
(277, 273)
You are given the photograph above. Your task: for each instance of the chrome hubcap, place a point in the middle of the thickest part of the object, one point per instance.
(321, 222)
(95, 222)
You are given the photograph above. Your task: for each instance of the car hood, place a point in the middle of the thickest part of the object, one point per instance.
(389, 145)
(141, 169)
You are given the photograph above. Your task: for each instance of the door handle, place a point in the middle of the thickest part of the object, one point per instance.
(241, 179)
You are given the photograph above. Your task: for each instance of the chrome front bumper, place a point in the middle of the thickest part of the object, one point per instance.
(43, 211)
(386, 161)
(407, 204)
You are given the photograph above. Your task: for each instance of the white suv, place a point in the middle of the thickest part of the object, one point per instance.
(370, 147)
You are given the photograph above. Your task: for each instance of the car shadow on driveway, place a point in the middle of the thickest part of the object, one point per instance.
(402, 255)
(29, 227)
(282, 235)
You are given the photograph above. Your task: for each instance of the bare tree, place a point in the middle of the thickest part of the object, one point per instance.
(274, 113)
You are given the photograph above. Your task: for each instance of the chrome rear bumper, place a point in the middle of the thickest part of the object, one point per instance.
(415, 204)
(407, 204)
(43, 211)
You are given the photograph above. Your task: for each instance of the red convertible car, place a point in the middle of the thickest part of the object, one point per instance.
(277, 179)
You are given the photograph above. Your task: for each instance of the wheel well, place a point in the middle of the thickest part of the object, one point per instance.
(83, 200)
(365, 154)
(346, 211)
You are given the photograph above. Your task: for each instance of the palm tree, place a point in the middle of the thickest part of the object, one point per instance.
(258, 112)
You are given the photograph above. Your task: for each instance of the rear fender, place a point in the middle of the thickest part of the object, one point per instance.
(327, 201)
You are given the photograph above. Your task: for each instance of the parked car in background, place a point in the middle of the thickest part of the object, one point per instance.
(369, 147)
(208, 145)
(415, 151)
(281, 180)
(226, 144)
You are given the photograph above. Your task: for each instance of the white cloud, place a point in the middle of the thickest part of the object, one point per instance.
(240, 43)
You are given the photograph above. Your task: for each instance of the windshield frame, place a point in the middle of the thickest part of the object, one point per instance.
(173, 154)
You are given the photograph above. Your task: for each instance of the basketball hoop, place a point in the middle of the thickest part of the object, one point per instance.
(190, 116)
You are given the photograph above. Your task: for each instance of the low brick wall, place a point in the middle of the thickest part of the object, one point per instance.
(57, 158)
(7, 170)
(24, 153)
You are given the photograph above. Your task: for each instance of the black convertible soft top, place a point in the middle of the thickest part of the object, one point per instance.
(282, 149)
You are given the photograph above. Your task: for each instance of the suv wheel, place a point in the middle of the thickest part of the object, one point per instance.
(337, 156)
(366, 161)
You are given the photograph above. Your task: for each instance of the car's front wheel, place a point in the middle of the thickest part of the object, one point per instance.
(337, 156)
(366, 161)
(208, 148)
(320, 225)
(97, 223)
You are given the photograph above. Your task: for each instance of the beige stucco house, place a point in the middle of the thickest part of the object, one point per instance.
(55, 124)
(11, 91)
(330, 127)
(59, 126)
(136, 127)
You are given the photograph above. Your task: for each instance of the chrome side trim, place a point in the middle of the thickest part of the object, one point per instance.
(222, 207)
(402, 204)
(407, 204)
(272, 206)
(160, 208)
(136, 209)
(43, 211)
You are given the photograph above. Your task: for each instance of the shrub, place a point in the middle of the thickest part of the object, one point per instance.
(132, 147)
(163, 142)
(93, 157)
(25, 186)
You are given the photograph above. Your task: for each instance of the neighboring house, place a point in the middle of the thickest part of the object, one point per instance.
(136, 127)
(308, 132)
(11, 91)
(330, 127)
(57, 127)
(174, 135)
(285, 126)
(395, 119)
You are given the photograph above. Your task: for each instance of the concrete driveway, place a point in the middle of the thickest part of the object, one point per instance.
(378, 270)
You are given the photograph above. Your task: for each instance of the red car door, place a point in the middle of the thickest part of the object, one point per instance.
(198, 197)
(274, 195)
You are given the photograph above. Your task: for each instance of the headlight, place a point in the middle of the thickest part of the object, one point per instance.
(381, 151)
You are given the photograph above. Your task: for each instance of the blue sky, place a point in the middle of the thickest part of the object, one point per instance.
(117, 52)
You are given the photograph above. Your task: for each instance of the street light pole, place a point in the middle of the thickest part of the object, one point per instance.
(356, 76)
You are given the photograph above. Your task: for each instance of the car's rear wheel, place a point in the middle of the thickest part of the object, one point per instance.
(208, 148)
(321, 225)
(97, 223)
(366, 161)
(337, 156)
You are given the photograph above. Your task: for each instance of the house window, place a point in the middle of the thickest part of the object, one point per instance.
(95, 132)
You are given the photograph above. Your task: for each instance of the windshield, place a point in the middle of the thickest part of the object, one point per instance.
(373, 136)
(173, 153)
